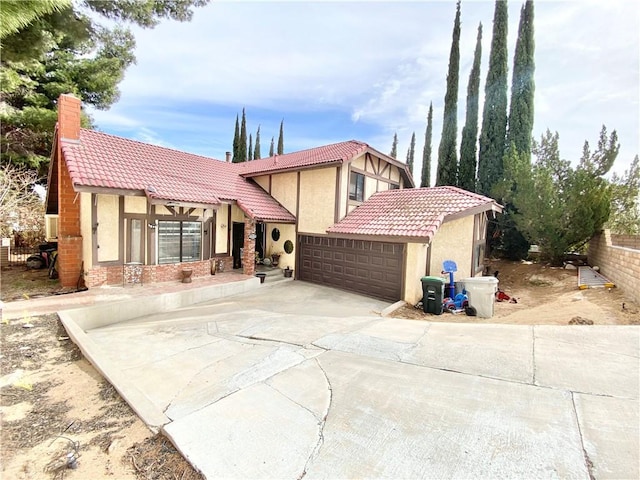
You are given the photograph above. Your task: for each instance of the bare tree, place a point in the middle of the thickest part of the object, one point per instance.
(21, 208)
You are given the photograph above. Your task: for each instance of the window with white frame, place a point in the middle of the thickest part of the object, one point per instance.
(179, 241)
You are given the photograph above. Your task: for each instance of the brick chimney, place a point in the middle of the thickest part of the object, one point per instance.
(228, 156)
(69, 234)
(69, 117)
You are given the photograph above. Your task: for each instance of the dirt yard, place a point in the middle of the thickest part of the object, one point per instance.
(57, 412)
(545, 296)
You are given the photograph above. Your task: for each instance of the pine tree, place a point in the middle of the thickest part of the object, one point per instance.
(394, 146)
(250, 149)
(256, 152)
(426, 152)
(447, 173)
(242, 144)
(281, 139)
(468, 145)
(520, 129)
(236, 141)
(271, 152)
(494, 114)
(411, 152)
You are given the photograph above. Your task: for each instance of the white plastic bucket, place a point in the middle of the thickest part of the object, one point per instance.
(482, 294)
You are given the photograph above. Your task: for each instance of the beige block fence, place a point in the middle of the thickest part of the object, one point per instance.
(618, 257)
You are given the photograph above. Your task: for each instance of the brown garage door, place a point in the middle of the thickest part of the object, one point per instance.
(369, 268)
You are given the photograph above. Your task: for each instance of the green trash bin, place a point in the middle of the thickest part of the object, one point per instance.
(432, 294)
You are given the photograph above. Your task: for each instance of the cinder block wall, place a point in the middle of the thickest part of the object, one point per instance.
(617, 261)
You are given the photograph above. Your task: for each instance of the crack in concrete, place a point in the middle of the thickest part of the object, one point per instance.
(292, 400)
(320, 347)
(209, 365)
(587, 461)
(273, 340)
(321, 424)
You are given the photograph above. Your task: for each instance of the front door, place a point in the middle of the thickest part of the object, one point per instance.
(237, 244)
(260, 239)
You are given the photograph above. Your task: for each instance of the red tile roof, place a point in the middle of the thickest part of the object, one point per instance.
(411, 213)
(337, 152)
(102, 160)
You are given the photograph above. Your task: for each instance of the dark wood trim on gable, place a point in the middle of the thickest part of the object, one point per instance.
(368, 160)
(376, 177)
(387, 167)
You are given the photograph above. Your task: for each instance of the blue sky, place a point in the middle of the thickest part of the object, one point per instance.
(364, 70)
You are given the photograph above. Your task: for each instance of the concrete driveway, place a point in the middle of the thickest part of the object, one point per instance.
(293, 380)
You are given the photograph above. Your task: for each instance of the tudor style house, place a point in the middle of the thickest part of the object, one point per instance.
(127, 211)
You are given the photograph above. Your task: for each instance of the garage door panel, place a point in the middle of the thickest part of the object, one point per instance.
(370, 268)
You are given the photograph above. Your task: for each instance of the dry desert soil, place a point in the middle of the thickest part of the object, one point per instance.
(57, 412)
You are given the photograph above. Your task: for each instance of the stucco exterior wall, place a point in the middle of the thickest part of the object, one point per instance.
(222, 238)
(85, 229)
(287, 232)
(343, 197)
(317, 200)
(135, 205)
(108, 233)
(453, 241)
(415, 269)
(284, 188)
(263, 181)
(371, 186)
(237, 215)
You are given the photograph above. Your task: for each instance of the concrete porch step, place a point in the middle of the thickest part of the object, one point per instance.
(273, 274)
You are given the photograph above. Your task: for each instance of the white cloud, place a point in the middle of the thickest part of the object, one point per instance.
(379, 63)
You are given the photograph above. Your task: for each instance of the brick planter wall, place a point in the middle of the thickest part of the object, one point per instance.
(114, 275)
(620, 264)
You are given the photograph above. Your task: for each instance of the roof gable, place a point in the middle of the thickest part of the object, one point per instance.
(336, 153)
(411, 213)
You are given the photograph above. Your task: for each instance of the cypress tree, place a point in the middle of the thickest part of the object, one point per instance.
(394, 146)
(281, 139)
(520, 127)
(411, 152)
(271, 152)
(236, 141)
(250, 149)
(256, 152)
(468, 148)
(522, 84)
(426, 152)
(242, 144)
(494, 114)
(447, 152)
